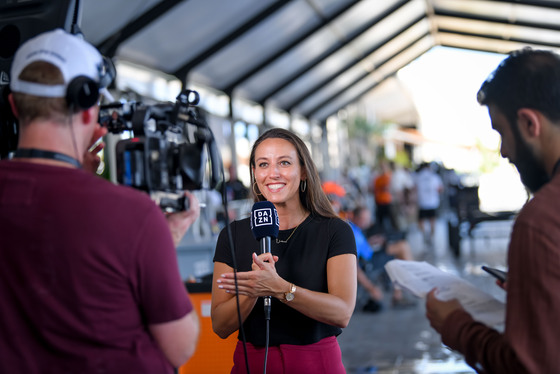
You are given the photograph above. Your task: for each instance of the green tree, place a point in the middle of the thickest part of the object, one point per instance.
(360, 127)
(490, 158)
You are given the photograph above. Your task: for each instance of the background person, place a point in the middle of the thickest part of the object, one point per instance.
(375, 248)
(429, 187)
(336, 194)
(311, 273)
(89, 280)
(236, 190)
(384, 212)
(523, 100)
(402, 190)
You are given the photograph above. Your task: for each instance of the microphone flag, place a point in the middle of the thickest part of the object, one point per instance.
(264, 220)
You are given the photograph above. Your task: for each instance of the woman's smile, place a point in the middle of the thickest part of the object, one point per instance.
(275, 187)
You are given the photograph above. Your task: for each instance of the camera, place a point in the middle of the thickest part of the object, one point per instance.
(170, 150)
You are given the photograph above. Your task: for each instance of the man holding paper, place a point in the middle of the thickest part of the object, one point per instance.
(523, 100)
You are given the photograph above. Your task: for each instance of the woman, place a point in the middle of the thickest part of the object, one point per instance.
(311, 273)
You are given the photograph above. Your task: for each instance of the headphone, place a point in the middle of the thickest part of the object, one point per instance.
(83, 92)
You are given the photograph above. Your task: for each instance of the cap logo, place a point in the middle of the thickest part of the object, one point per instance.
(45, 52)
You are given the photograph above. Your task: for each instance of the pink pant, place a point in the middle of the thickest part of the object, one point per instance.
(323, 357)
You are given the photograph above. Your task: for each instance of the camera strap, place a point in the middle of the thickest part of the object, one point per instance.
(39, 153)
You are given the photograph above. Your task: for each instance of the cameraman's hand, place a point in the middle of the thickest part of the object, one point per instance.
(91, 160)
(180, 222)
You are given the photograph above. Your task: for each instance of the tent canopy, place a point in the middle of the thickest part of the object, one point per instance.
(307, 57)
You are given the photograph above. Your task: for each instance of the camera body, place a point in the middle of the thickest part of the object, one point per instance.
(169, 151)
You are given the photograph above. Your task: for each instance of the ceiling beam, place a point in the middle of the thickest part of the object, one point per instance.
(332, 50)
(538, 3)
(476, 17)
(461, 15)
(288, 47)
(184, 70)
(108, 47)
(370, 88)
(494, 37)
(325, 81)
(317, 107)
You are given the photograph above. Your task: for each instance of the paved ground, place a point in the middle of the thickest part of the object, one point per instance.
(401, 341)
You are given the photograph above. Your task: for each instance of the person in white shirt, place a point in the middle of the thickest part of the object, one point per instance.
(428, 189)
(402, 186)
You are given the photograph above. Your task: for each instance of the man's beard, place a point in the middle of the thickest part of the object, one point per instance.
(532, 172)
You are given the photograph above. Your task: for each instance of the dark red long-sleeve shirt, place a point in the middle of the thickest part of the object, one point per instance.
(531, 338)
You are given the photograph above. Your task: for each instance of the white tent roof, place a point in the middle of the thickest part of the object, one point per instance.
(307, 57)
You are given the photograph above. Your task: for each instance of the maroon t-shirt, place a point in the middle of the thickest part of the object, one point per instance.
(85, 267)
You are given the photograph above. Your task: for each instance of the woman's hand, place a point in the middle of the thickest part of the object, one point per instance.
(262, 280)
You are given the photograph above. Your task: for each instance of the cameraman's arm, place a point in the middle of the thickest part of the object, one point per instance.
(180, 222)
(177, 339)
(163, 299)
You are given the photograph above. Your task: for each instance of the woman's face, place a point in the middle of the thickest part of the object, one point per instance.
(277, 170)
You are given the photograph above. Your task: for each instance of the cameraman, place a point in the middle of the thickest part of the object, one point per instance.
(89, 280)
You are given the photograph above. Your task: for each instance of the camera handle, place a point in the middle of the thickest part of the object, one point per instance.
(214, 155)
(215, 163)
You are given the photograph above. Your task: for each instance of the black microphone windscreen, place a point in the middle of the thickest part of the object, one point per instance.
(264, 220)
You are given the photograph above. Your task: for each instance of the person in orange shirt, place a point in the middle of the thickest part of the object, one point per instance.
(383, 198)
(336, 193)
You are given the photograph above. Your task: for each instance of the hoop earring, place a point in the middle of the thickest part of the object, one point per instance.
(303, 185)
(254, 191)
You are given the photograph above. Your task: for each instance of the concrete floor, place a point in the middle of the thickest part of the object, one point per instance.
(401, 341)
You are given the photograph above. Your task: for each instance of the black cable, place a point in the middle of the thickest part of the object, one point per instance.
(267, 336)
(75, 28)
(230, 237)
(76, 12)
(267, 307)
(234, 263)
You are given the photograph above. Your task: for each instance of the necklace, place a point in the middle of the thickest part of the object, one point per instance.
(278, 241)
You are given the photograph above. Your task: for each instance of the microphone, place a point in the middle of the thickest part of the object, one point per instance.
(265, 226)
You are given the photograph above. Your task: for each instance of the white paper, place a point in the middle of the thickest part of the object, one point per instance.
(420, 278)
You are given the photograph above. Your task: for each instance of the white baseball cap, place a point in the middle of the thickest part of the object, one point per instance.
(72, 55)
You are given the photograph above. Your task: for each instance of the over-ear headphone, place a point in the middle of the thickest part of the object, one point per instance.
(83, 92)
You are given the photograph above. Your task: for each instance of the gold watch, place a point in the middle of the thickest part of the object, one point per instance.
(289, 296)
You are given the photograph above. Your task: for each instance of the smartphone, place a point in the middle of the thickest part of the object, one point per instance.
(499, 274)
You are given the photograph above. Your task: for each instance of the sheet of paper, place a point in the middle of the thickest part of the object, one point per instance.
(421, 277)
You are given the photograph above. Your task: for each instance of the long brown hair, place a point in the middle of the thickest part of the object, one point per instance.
(312, 198)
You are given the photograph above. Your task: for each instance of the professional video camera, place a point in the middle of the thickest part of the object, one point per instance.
(168, 151)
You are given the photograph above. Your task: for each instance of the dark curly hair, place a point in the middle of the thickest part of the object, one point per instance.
(527, 78)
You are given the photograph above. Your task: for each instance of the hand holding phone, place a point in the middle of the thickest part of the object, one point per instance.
(496, 273)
